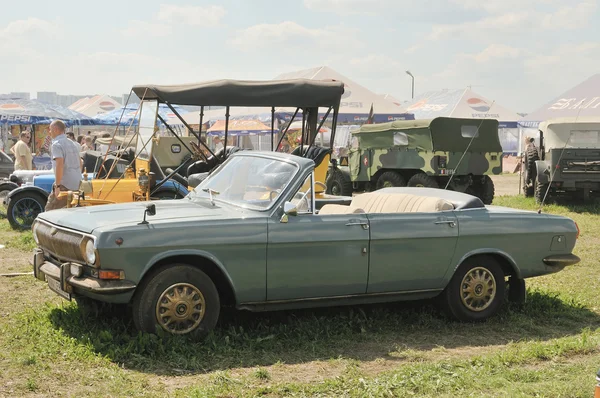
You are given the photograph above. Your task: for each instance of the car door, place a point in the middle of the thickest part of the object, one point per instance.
(314, 255)
(410, 251)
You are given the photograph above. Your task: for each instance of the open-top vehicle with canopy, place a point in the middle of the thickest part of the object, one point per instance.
(253, 235)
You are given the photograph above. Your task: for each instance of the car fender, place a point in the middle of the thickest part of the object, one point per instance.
(8, 186)
(188, 252)
(543, 171)
(487, 251)
(173, 186)
(27, 188)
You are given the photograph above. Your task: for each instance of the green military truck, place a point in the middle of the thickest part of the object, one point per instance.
(567, 162)
(422, 153)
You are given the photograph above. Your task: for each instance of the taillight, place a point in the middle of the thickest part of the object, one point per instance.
(577, 226)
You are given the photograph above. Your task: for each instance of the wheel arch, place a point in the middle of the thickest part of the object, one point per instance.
(204, 261)
(505, 260)
(28, 189)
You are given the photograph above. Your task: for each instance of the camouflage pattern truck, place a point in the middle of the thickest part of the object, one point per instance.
(567, 162)
(422, 153)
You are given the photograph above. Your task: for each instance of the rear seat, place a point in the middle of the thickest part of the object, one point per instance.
(378, 202)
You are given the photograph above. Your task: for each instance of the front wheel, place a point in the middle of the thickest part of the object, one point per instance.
(23, 208)
(179, 299)
(422, 180)
(476, 290)
(389, 179)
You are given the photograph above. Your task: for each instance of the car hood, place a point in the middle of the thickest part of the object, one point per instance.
(87, 219)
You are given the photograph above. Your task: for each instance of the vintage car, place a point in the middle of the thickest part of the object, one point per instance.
(254, 236)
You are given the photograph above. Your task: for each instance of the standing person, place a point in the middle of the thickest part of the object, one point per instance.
(66, 164)
(71, 136)
(284, 146)
(80, 139)
(23, 158)
(217, 143)
(104, 147)
(88, 144)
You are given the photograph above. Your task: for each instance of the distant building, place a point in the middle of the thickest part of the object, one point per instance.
(48, 97)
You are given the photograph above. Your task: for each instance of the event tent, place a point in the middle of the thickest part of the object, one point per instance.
(580, 101)
(96, 105)
(22, 111)
(354, 107)
(129, 113)
(464, 103)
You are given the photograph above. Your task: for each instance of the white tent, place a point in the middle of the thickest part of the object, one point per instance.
(464, 103)
(96, 105)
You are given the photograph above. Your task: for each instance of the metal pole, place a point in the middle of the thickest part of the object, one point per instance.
(412, 84)
(272, 128)
(200, 123)
(226, 130)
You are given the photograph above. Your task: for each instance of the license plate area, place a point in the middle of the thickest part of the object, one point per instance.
(54, 285)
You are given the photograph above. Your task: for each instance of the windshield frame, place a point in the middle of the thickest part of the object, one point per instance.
(199, 194)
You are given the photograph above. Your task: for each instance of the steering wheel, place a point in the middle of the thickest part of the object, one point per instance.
(321, 185)
(305, 199)
(198, 154)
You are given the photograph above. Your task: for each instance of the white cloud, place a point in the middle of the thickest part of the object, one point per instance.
(376, 63)
(292, 34)
(148, 29)
(191, 15)
(501, 6)
(26, 27)
(349, 6)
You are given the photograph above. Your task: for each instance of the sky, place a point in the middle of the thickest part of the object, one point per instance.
(519, 53)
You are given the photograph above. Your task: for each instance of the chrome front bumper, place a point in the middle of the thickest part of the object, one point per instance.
(45, 270)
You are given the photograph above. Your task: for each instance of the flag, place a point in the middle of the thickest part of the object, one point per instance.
(370, 118)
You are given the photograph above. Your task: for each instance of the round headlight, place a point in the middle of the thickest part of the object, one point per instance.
(90, 252)
(34, 231)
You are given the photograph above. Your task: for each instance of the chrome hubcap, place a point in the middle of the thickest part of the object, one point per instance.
(478, 289)
(180, 308)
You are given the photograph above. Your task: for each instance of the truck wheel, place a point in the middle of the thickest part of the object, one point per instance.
(422, 180)
(540, 191)
(338, 184)
(23, 208)
(531, 156)
(390, 179)
(476, 290)
(179, 299)
(485, 190)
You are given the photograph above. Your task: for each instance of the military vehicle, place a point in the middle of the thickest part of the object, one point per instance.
(422, 153)
(567, 161)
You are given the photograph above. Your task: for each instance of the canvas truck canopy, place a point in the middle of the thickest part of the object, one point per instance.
(571, 132)
(439, 134)
(298, 93)
(413, 134)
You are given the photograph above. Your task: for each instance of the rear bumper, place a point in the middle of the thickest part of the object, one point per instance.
(43, 270)
(561, 260)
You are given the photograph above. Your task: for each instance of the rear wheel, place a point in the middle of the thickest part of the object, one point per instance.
(476, 290)
(337, 184)
(531, 156)
(540, 191)
(23, 208)
(422, 180)
(179, 299)
(390, 179)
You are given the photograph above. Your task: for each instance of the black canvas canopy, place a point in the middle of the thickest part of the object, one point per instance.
(299, 93)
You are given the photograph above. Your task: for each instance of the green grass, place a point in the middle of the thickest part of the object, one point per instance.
(549, 347)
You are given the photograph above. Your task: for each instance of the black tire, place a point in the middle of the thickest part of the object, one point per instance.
(23, 208)
(389, 179)
(166, 195)
(540, 191)
(338, 184)
(483, 306)
(180, 278)
(422, 180)
(531, 156)
(485, 190)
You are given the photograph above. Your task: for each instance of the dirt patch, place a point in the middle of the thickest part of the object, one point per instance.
(506, 184)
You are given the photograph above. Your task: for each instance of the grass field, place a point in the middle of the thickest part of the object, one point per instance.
(550, 347)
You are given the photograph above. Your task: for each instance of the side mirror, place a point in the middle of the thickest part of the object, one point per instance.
(289, 209)
(151, 209)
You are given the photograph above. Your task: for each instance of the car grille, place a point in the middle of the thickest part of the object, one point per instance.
(66, 245)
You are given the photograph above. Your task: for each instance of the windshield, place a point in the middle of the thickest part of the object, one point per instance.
(247, 181)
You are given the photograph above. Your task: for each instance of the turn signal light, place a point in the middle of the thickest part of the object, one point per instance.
(107, 274)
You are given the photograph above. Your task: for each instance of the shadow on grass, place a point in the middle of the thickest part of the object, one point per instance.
(364, 333)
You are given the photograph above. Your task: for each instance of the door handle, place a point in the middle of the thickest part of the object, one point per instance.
(365, 225)
(450, 223)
